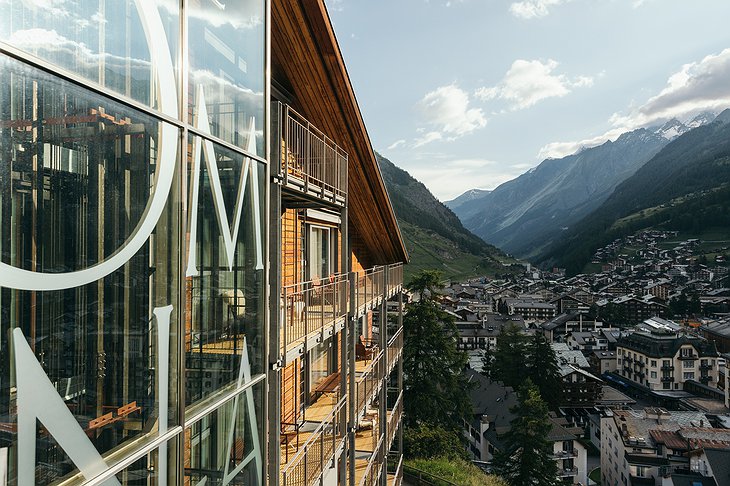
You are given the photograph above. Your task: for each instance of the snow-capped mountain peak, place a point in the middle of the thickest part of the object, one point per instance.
(702, 119)
(672, 129)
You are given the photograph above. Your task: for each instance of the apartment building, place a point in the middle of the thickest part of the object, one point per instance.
(195, 240)
(657, 447)
(492, 404)
(530, 308)
(664, 360)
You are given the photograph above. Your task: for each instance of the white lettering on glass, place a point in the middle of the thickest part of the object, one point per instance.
(17, 278)
(249, 169)
(37, 399)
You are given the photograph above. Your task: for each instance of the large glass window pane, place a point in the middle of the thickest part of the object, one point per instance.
(78, 173)
(226, 446)
(227, 66)
(106, 41)
(224, 330)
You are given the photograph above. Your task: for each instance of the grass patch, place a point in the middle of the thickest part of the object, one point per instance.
(429, 250)
(456, 471)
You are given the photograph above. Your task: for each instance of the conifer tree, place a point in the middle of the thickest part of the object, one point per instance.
(508, 363)
(544, 371)
(435, 387)
(526, 458)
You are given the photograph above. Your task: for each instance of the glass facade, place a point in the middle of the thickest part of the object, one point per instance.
(132, 241)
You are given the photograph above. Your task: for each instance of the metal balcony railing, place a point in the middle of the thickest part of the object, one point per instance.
(311, 306)
(375, 466)
(369, 286)
(394, 419)
(395, 277)
(395, 349)
(317, 452)
(310, 160)
(397, 475)
(369, 383)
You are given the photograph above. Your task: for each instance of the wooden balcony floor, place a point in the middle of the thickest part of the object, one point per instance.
(361, 465)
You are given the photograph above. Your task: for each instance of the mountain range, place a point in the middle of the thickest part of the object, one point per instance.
(528, 215)
(434, 236)
(685, 187)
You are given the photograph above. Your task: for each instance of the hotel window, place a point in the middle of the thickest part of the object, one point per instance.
(225, 291)
(104, 42)
(690, 363)
(322, 252)
(227, 68)
(689, 375)
(78, 172)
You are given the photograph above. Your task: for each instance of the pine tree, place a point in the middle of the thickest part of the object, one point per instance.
(435, 387)
(526, 458)
(544, 371)
(508, 363)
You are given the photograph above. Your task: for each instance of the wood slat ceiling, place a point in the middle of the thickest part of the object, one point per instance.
(307, 61)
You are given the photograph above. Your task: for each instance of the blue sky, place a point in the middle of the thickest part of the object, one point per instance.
(472, 93)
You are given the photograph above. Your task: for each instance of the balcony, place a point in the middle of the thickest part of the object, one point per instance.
(395, 349)
(394, 418)
(395, 473)
(312, 311)
(565, 454)
(368, 382)
(374, 468)
(688, 356)
(312, 165)
(314, 450)
(369, 288)
(641, 481)
(567, 471)
(667, 378)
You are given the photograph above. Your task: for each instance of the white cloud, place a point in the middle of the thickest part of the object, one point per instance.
(427, 138)
(336, 5)
(699, 86)
(446, 110)
(396, 144)
(462, 175)
(533, 9)
(530, 9)
(528, 82)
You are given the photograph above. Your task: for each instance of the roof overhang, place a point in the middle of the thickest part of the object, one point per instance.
(306, 59)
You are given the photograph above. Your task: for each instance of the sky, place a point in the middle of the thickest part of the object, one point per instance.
(471, 93)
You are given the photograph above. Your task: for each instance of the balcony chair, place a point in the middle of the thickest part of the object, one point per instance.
(364, 351)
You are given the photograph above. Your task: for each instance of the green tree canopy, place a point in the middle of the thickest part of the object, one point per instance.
(435, 387)
(544, 371)
(518, 357)
(526, 458)
(508, 361)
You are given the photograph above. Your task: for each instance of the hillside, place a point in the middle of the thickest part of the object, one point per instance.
(525, 215)
(684, 187)
(434, 236)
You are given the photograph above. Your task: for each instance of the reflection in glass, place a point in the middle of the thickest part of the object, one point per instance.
(76, 173)
(227, 60)
(226, 446)
(102, 40)
(226, 304)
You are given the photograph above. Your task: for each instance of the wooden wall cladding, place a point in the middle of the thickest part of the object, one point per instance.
(306, 59)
